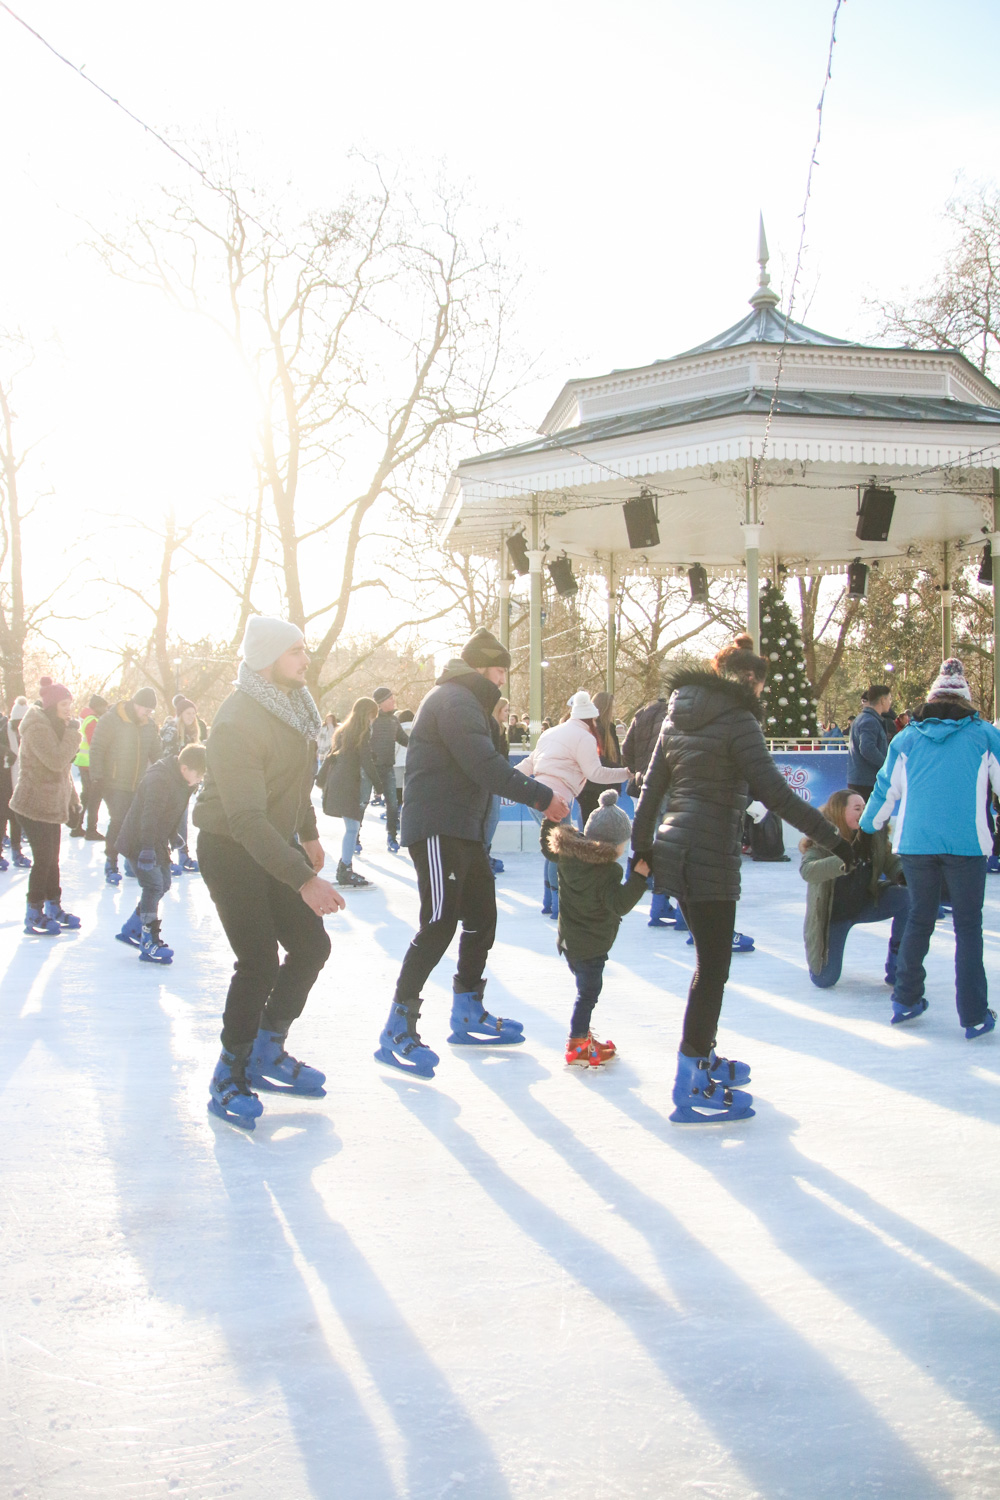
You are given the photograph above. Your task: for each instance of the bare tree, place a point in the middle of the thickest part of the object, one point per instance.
(370, 337)
(842, 614)
(961, 307)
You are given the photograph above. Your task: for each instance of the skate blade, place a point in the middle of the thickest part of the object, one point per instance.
(240, 1121)
(145, 959)
(416, 1070)
(685, 1115)
(466, 1039)
(258, 1082)
(910, 1015)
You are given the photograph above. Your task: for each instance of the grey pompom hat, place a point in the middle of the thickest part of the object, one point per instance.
(609, 822)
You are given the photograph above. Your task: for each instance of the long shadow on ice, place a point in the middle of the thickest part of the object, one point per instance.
(756, 1409)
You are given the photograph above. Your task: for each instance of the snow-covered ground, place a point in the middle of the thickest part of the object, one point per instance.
(516, 1280)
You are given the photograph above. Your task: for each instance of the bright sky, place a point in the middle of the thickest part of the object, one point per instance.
(628, 149)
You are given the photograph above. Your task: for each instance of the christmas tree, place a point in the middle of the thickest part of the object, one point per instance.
(790, 711)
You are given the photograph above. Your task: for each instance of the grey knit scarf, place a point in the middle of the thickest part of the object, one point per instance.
(296, 708)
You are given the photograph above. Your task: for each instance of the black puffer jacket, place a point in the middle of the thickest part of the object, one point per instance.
(340, 781)
(157, 808)
(643, 732)
(710, 751)
(452, 764)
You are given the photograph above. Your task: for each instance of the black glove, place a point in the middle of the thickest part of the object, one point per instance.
(646, 854)
(844, 852)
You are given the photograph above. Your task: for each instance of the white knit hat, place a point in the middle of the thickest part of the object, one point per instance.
(950, 679)
(581, 706)
(265, 639)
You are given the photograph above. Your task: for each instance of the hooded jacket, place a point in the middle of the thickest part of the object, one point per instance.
(45, 790)
(821, 870)
(566, 757)
(453, 768)
(710, 752)
(593, 897)
(938, 771)
(156, 810)
(868, 744)
(122, 749)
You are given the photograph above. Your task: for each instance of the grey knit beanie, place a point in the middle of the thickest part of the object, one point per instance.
(265, 639)
(609, 822)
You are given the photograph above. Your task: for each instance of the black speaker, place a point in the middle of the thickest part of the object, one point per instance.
(875, 515)
(640, 522)
(698, 579)
(857, 580)
(986, 566)
(561, 573)
(517, 551)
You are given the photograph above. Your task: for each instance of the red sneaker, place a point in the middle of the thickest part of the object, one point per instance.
(588, 1052)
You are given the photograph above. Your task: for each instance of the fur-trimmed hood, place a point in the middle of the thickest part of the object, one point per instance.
(696, 697)
(570, 844)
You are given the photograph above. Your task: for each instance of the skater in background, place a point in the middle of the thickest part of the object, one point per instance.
(89, 806)
(608, 748)
(592, 901)
(260, 857)
(8, 820)
(868, 743)
(125, 744)
(565, 758)
(404, 718)
(386, 734)
(18, 709)
(937, 773)
(340, 778)
(45, 798)
(324, 742)
(185, 728)
(160, 800)
(452, 770)
(517, 733)
(837, 899)
(710, 750)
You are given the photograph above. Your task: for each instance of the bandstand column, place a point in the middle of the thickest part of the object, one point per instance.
(609, 676)
(751, 541)
(504, 611)
(535, 555)
(945, 602)
(995, 550)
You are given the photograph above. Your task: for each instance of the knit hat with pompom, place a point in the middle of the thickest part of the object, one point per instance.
(609, 822)
(951, 679)
(52, 693)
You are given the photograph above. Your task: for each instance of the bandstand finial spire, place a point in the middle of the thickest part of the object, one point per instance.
(764, 296)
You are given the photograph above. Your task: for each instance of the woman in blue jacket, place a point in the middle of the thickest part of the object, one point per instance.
(938, 770)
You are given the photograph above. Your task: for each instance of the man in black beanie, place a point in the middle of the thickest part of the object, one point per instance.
(453, 770)
(125, 743)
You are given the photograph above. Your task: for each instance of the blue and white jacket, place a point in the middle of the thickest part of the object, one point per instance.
(939, 770)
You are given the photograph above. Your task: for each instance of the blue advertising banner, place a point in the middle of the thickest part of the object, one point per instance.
(813, 775)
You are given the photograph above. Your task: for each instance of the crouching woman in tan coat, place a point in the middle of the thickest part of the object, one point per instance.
(43, 800)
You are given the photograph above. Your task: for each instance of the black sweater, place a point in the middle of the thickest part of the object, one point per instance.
(710, 751)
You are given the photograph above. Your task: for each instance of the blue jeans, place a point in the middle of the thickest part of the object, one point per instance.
(966, 881)
(152, 885)
(551, 869)
(352, 827)
(893, 902)
(589, 974)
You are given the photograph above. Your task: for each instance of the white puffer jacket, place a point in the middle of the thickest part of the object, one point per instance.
(566, 758)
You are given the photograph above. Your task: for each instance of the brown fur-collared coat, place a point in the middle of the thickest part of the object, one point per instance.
(45, 789)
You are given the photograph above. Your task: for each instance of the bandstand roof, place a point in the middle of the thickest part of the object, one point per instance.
(692, 428)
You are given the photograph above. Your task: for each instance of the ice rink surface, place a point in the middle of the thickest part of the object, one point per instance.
(517, 1280)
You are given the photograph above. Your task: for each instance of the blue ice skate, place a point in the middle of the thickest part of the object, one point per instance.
(4, 864)
(189, 865)
(38, 924)
(554, 909)
(680, 924)
(66, 920)
(727, 1070)
(496, 865)
(111, 873)
(473, 1026)
(742, 943)
(132, 931)
(392, 845)
(176, 867)
(152, 950)
(229, 1095)
(272, 1068)
(129, 870)
(546, 899)
(985, 1026)
(20, 860)
(993, 865)
(901, 1012)
(662, 912)
(700, 1100)
(400, 1046)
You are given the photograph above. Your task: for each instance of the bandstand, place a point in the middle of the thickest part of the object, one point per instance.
(741, 483)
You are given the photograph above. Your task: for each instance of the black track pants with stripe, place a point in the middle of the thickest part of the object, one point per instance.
(456, 885)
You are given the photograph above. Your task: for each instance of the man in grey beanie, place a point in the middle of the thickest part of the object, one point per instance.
(260, 855)
(125, 744)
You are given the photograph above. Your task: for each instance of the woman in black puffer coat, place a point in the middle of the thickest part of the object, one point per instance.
(710, 752)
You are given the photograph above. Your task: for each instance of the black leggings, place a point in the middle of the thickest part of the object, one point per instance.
(43, 882)
(712, 925)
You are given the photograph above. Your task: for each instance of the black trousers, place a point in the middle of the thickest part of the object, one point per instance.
(119, 801)
(456, 885)
(257, 913)
(6, 816)
(712, 925)
(89, 804)
(43, 882)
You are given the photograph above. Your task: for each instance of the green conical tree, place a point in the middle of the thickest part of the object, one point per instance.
(790, 711)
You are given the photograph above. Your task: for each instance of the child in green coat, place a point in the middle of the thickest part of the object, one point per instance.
(593, 898)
